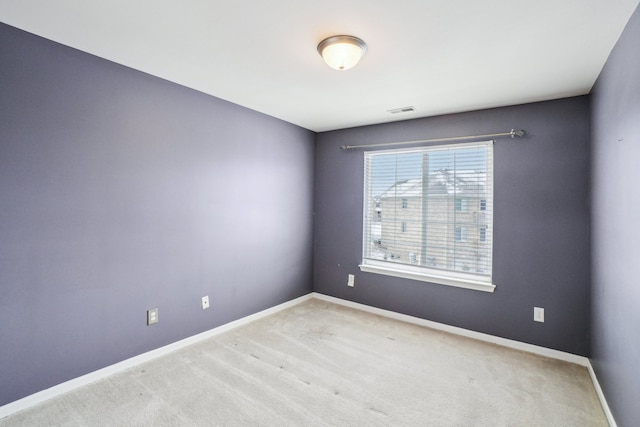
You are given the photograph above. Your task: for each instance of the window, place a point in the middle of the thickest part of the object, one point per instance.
(461, 234)
(461, 204)
(451, 190)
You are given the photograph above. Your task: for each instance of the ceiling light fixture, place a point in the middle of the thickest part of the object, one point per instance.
(342, 52)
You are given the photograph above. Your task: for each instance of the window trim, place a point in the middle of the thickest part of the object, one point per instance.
(422, 273)
(459, 280)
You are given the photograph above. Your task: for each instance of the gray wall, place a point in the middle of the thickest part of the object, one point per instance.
(121, 192)
(615, 102)
(541, 225)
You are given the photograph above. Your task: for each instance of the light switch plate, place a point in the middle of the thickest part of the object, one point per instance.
(351, 280)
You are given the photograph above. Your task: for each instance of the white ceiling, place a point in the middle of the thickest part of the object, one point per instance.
(439, 56)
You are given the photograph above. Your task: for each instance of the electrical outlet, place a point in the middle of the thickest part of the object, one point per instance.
(538, 314)
(351, 281)
(205, 302)
(152, 316)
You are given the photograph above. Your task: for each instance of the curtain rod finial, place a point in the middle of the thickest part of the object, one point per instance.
(519, 133)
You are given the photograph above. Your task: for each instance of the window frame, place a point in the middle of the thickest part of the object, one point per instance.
(423, 272)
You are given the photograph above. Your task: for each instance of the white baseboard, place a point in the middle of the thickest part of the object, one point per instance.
(65, 387)
(530, 348)
(600, 393)
(41, 396)
(504, 342)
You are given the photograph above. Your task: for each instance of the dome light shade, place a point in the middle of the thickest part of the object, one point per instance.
(342, 52)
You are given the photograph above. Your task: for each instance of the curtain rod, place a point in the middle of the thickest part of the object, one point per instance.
(519, 133)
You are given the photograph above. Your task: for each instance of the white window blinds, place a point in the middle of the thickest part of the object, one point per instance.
(428, 213)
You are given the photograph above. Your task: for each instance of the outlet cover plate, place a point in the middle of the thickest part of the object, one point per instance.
(205, 302)
(152, 316)
(538, 314)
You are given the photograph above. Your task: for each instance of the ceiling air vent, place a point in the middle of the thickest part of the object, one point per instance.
(402, 110)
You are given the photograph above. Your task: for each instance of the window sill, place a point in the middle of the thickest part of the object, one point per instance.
(449, 281)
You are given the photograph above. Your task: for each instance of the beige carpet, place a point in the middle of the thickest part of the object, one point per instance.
(319, 364)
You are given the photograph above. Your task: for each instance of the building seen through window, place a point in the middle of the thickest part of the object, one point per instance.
(430, 207)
